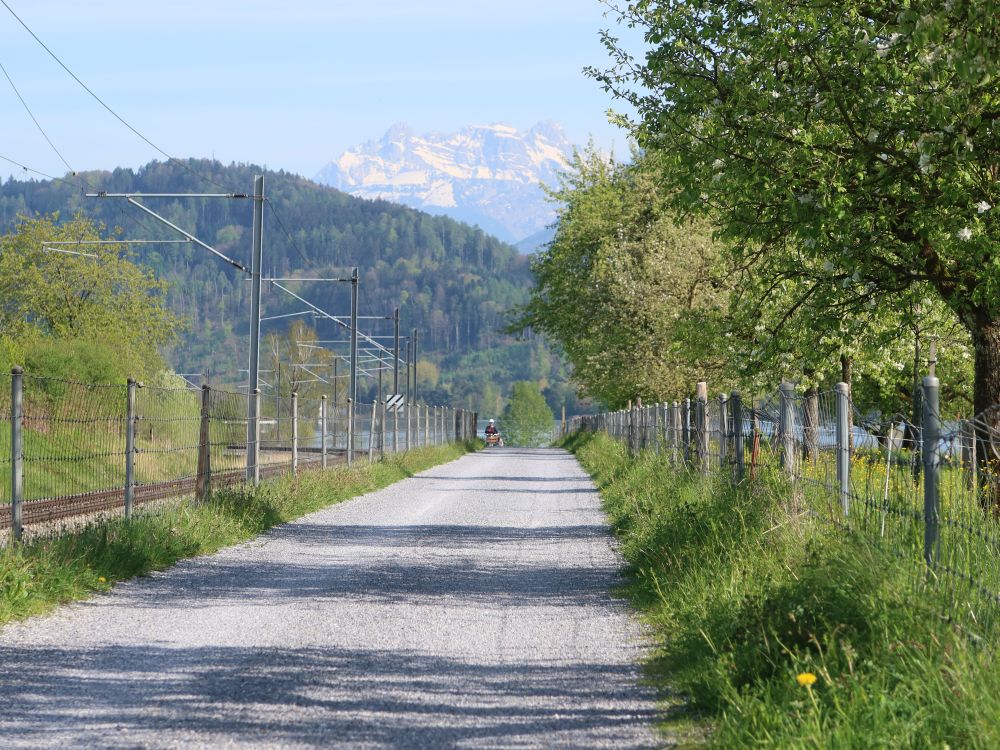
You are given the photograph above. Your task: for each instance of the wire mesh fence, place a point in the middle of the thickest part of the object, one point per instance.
(70, 449)
(928, 493)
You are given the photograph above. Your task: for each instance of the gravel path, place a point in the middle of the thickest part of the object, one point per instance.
(468, 606)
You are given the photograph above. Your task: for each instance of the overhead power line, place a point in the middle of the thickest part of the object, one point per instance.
(104, 104)
(35, 119)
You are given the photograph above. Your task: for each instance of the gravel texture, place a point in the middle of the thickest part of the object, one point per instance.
(468, 606)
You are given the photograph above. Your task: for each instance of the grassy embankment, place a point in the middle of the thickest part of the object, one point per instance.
(748, 601)
(37, 576)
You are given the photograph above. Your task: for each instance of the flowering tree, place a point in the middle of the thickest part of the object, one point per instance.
(623, 288)
(859, 139)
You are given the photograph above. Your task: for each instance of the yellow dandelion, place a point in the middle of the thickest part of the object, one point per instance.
(102, 579)
(806, 679)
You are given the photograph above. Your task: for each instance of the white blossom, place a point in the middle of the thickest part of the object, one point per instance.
(964, 234)
(982, 207)
(872, 135)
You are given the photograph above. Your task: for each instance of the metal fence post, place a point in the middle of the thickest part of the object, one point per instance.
(409, 407)
(844, 446)
(686, 430)
(427, 426)
(16, 451)
(736, 409)
(701, 426)
(203, 482)
(665, 426)
(350, 432)
(395, 428)
(371, 431)
(130, 389)
(255, 460)
(786, 430)
(675, 432)
(381, 432)
(295, 433)
(723, 430)
(932, 457)
(322, 429)
(656, 428)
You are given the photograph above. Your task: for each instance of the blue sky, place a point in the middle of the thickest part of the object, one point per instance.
(292, 84)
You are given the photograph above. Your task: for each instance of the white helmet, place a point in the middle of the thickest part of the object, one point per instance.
(491, 421)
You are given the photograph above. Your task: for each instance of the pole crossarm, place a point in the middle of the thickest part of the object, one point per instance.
(334, 318)
(105, 194)
(289, 315)
(294, 278)
(170, 224)
(117, 242)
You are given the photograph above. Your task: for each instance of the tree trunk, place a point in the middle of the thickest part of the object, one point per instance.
(986, 405)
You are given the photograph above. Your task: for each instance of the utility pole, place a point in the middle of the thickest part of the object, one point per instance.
(395, 379)
(353, 394)
(409, 360)
(254, 380)
(395, 351)
(414, 364)
(353, 388)
(409, 402)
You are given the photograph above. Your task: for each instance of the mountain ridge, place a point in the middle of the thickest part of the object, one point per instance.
(485, 175)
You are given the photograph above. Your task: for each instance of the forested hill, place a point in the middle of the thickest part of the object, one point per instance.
(453, 282)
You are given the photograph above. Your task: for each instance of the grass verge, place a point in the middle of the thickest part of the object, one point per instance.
(39, 575)
(747, 600)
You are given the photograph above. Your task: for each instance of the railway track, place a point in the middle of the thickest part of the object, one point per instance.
(68, 506)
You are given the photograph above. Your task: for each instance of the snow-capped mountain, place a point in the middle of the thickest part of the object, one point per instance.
(486, 175)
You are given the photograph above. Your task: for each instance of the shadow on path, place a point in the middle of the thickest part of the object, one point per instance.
(319, 697)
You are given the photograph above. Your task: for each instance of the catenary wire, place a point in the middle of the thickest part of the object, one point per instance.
(100, 101)
(35, 120)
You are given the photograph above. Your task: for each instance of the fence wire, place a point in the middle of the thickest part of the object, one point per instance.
(74, 437)
(74, 458)
(931, 499)
(167, 434)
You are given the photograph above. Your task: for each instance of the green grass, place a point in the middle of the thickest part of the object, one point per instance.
(39, 575)
(743, 593)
